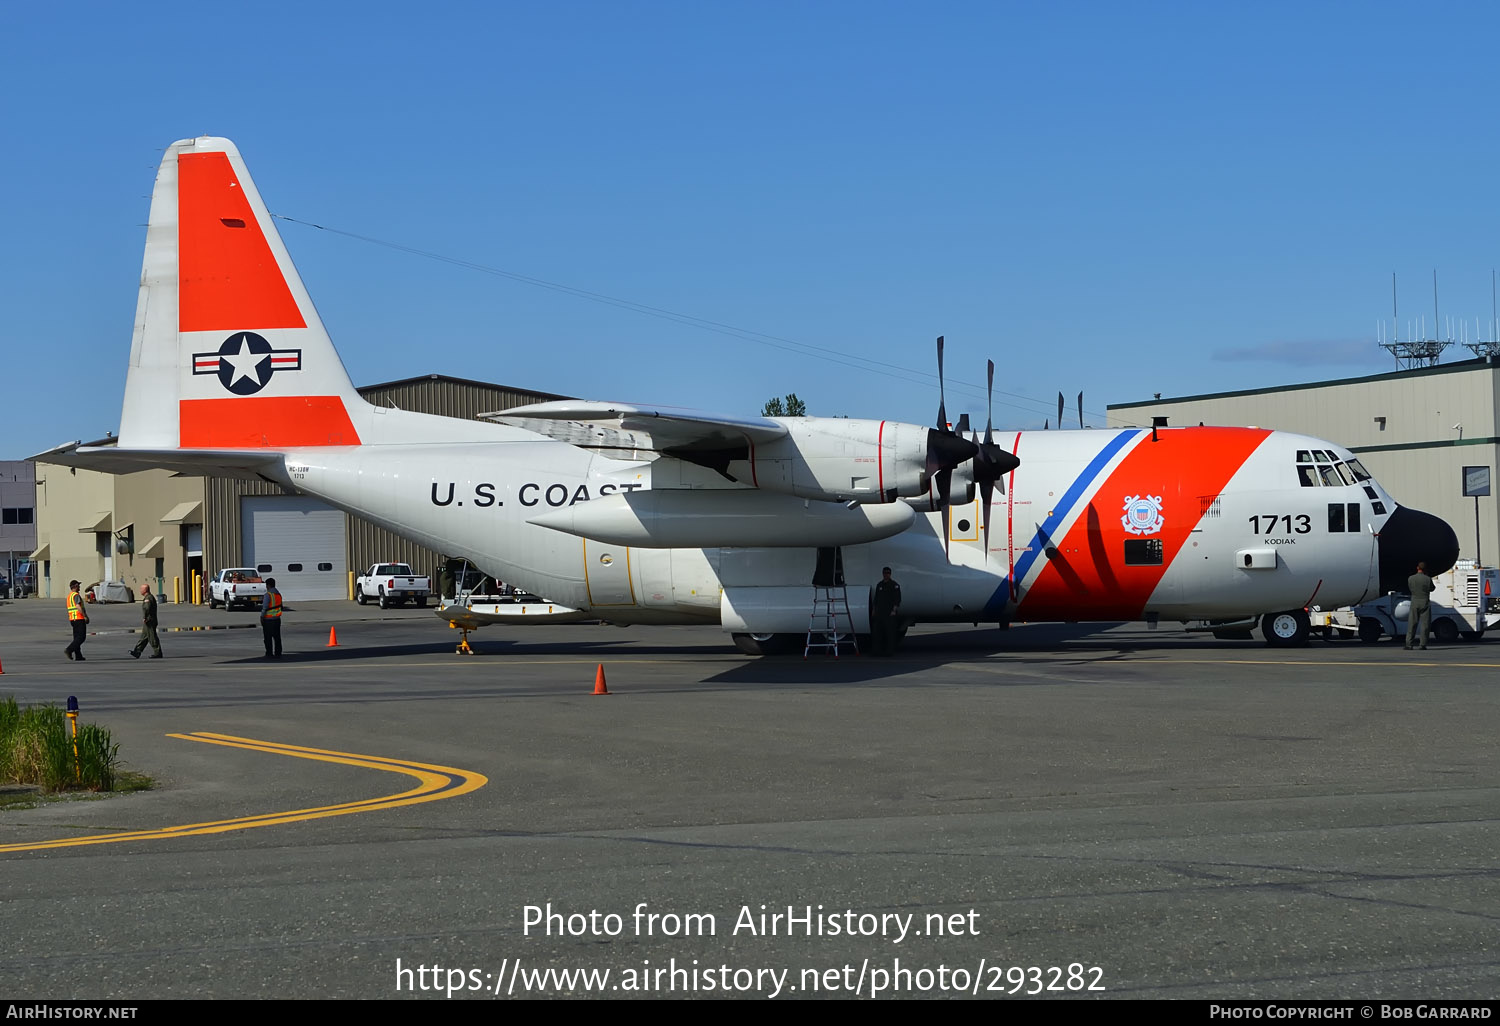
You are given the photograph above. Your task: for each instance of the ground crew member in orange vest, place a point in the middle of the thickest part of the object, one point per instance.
(78, 619)
(270, 619)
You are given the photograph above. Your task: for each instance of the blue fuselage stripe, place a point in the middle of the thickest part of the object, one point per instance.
(1059, 513)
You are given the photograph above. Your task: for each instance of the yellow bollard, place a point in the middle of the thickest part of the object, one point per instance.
(176, 591)
(351, 585)
(73, 718)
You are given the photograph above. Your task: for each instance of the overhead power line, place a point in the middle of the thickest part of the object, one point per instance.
(854, 361)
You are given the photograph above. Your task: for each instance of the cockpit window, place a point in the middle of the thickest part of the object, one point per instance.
(1321, 456)
(1304, 456)
(1360, 473)
(1307, 476)
(1330, 477)
(1346, 474)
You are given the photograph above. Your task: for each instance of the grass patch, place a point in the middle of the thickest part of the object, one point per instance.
(37, 747)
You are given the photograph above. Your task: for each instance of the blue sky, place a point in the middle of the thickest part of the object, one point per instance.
(1116, 198)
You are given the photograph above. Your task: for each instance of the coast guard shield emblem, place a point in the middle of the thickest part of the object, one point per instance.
(1142, 514)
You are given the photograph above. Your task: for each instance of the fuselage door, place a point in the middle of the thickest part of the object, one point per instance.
(607, 574)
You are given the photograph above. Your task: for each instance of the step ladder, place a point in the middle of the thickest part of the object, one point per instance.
(829, 604)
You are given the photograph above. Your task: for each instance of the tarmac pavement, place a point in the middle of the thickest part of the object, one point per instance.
(1151, 813)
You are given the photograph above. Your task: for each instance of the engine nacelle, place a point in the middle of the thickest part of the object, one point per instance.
(838, 459)
(961, 490)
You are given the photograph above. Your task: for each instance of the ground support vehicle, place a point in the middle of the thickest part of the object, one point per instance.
(392, 584)
(237, 586)
(1465, 604)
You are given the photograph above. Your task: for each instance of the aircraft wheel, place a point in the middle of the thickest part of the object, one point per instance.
(1285, 630)
(1445, 631)
(764, 644)
(1370, 630)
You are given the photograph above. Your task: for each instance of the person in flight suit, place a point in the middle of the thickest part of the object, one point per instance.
(1420, 586)
(148, 625)
(78, 619)
(883, 609)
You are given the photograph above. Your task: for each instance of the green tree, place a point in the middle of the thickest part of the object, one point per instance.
(791, 406)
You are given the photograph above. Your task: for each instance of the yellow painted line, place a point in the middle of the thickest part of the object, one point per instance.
(434, 784)
(1393, 661)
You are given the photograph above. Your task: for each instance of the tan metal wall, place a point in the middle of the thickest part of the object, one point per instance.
(67, 498)
(1400, 425)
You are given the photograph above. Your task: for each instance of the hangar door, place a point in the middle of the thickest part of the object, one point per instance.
(297, 540)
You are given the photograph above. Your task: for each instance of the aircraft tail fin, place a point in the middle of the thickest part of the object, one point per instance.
(228, 352)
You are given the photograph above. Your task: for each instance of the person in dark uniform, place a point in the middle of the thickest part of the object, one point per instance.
(148, 625)
(270, 619)
(78, 619)
(884, 606)
(1419, 585)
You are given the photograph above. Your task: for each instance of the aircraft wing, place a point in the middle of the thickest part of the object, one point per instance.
(112, 459)
(601, 425)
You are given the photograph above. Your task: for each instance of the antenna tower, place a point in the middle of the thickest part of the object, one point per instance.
(1490, 349)
(1415, 352)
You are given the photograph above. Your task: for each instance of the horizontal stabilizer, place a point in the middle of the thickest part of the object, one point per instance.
(480, 614)
(111, 459)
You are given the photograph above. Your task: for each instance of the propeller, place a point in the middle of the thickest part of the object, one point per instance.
(991, 463)
(1059, 410)
(1080, 409)
(946, 448)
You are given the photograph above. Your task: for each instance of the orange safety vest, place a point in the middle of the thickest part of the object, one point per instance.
(75, 606)
(273, 608)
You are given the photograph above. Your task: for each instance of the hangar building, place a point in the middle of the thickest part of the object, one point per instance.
(1415, 430)
(152, 527)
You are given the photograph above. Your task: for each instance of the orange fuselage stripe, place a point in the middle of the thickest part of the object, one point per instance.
(228, 279)
(1088, 579)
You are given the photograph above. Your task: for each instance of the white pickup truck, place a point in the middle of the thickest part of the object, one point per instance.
(240, 586)
(392, 583)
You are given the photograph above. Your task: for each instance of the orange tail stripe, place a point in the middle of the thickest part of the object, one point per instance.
(264, 423)
(228, 279)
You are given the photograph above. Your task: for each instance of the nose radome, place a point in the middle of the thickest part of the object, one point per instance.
(1410, 537)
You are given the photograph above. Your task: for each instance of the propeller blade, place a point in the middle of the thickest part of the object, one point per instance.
(944, 481)
(1044, 425)
(963, 423)
(989, 406)
(986, 486)
(1059, 409)
(942, 424)
(1080, 409)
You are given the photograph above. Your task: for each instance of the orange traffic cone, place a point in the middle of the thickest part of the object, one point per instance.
(333, 638)
(599, 686)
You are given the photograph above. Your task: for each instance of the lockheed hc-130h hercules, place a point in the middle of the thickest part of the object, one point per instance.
(648, 515)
